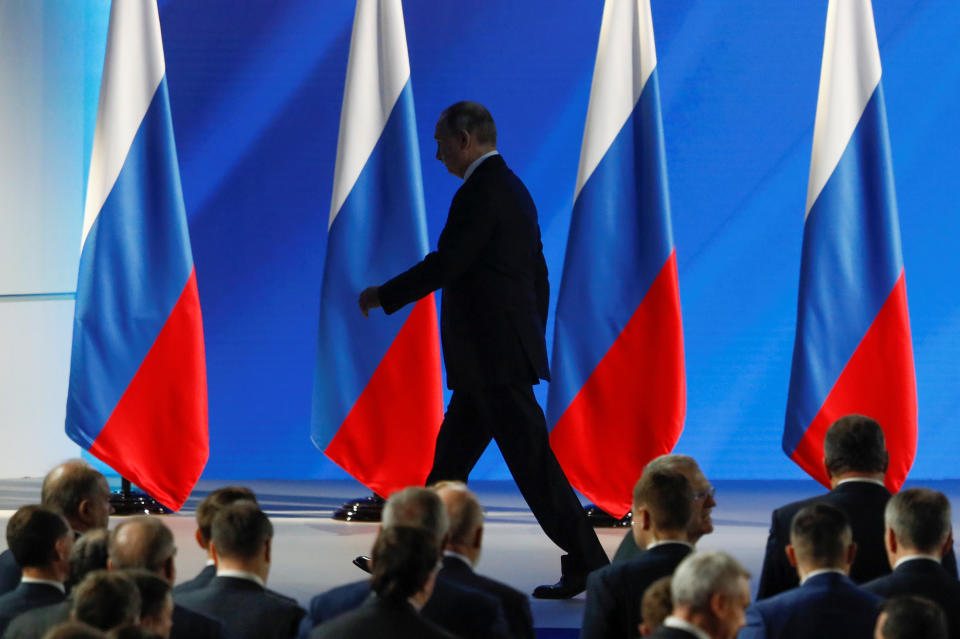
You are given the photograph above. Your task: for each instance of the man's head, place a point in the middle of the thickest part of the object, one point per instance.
(106, 599)
(701, 522)
(910, 617)
(404, 563)
(655, 606)
(74, 630)
(156, 602)
(210, 505)
(466, 519)
(89, 553)
(416, 507)
(917, 522)
(820, 538)
(241, 536)
(662, 507)
(854, 447)
(80, 492)
(146, 543)
(40, 541)
(464, 132)
(711, 590)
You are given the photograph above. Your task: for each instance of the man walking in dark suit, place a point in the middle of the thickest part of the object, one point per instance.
(917, 535)
(826, 603)
(662, 506)
(855, 457)
(489, 263)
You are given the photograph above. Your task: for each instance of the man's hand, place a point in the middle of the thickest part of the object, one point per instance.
(369, 298)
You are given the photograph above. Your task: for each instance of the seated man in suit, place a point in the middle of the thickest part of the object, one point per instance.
(908, 617)
(146, 543)
(462, 552)
(404, 572)
(241, 538)
(462, 611)
(156, 602)
(710, 591)
(105, 600)
(918, 534)
(827, 603)
(655, 606)
(40, 541)
(662, 507)
(703, 502)
(207, 509)
(80, 493)
(855, 458)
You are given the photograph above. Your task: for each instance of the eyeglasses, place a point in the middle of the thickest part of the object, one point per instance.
(706, 493)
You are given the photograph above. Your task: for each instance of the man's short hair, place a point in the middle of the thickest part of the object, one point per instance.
(148, 548)
(32, 535)
(672, 463)
(240, 530)
(703, 574)
(854, 444)
(465, 515)
(417, 507)
(656, 604)
(73, 630)
(89, 553)
(403, 558)
(920, 518)
(106, 599)
(472, 117)
(668, 498)
(69, 484)
(820, 533)
(210, 505)
(153, 591)
(909, 617)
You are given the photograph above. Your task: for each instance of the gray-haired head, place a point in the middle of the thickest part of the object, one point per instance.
(463, 510)
(920, 519)
(854, 444)
(671, 463)
(89, 553)
(416, 507)
(704, 574)
(472, 117)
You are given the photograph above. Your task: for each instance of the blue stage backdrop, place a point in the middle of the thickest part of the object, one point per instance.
(256, 90)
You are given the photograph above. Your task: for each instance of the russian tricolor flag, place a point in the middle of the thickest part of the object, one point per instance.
(378, 398)
(618, 395)
(138, 387)
(852, 352)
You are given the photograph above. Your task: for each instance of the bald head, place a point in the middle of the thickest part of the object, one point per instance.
(80, 492)
(416, 507)
(143, 542)
(466, 519)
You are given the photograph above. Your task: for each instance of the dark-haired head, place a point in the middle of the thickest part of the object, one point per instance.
(404, 561)
(210, 505)
(106, 599)
(910, 617)
(39, 538)
(820, 537)
(854, 444)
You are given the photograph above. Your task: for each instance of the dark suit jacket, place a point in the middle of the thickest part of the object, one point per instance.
(627, 549)
(188, 624)
(927, 579)
(516, 605)
(203, 578)
(671, 633)
(826, 605)
(9, 572)
(35, 623)
(489, 263)
(614, 592)
(463, 611)
(246, 610)
(26, 597)
(863, 502)
(376, 618)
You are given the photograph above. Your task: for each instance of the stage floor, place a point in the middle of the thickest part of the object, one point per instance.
(312, 552)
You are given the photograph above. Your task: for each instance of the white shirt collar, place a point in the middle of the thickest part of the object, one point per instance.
(664, 542)
(865, 480)
(50, 582)
(907, 558)
(463, 558)
(242, 574)
(210, 562)
(473, 165)
(683, 624)
(820, 571)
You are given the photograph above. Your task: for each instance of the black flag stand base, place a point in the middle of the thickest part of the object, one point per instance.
(362, 509)
(600, 519)
(127, 502)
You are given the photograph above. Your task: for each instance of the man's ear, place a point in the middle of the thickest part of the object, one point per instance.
(83, 511)
(214, 554)
(266, 549)
(718, 604)
(890, 540)
(199, 537)
(170, 569)
(646, 522)
(463, 137)
(791, 555)
(478, 538)
(851, 553)
(948, 544)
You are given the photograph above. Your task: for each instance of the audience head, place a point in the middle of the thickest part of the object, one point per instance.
(711, 590)
(80, 492)
(820, 537)
(910, 617)
(156, 602)
(662, 507)
(701, 522)
(404, 563)
(854, 447)
(416, 507)
(210, 505)
(655, 606)
(241, 537)
(143, 542)
(106, 599)
(89, 553)
(73, 630)
(40, 541)
(466, 519)
(132, 632)
(918, 522)
(464, 132)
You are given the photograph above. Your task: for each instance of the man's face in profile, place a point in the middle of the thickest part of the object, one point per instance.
(448, 150)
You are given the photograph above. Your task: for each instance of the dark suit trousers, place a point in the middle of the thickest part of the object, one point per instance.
(509, 413)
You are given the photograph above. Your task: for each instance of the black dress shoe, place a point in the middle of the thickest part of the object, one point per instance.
(362, 562)
(566, 588)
